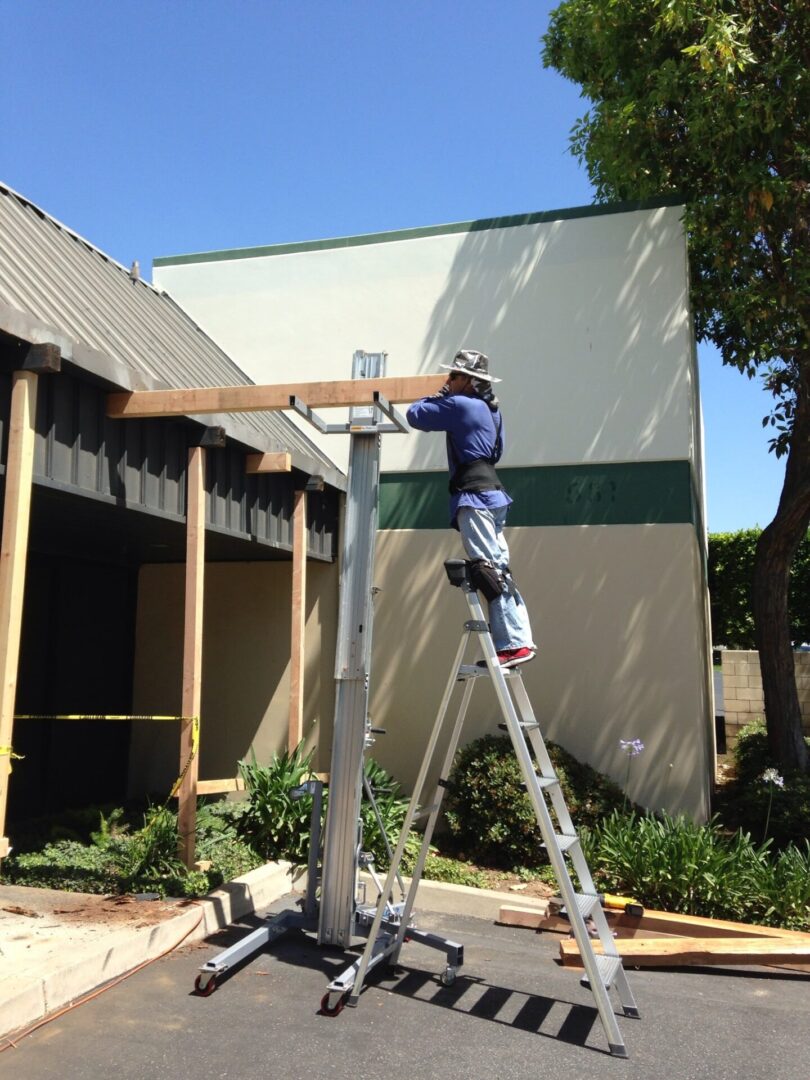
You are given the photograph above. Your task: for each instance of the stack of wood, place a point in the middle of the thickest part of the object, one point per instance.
(665, 939)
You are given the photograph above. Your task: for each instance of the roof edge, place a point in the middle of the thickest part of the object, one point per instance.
(479, 225)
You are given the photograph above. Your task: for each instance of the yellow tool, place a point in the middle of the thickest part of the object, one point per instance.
(622, 903)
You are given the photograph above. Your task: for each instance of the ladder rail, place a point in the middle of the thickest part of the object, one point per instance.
(409, 817)
(424, 848)
(546, 795)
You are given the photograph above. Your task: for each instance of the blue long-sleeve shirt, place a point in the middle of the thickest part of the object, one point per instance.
(473, 434)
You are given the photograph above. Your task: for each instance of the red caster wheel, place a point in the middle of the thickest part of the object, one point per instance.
(333, 1010)
(205, 989)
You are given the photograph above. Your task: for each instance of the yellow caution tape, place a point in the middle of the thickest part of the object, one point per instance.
(7, 751)
(94, 716)
(195, 746)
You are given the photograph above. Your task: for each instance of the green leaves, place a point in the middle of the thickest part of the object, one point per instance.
(275, 824)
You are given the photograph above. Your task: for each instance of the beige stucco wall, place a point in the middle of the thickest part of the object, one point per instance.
(585, 318)
(246, 654)
(616, 611)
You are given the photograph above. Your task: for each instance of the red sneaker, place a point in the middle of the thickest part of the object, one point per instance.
(509, 658)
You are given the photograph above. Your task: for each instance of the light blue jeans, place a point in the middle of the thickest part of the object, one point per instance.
(483, 538)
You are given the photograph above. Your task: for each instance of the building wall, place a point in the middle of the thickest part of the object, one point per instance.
(616, 615)
(585, 316)
(246, 661)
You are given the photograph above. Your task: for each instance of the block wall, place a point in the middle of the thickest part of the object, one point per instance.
(742, 690)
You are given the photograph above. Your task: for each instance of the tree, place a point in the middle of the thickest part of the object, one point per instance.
(710, 99)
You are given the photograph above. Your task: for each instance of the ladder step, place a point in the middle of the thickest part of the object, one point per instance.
(564, 842)
(587, 903)
(608, 967)
(533, 726)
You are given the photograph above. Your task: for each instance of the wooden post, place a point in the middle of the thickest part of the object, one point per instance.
(192, 653)
(299, 617)
(13, 556)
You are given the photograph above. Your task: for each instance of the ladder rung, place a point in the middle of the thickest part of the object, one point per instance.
(587, 903)
(533, 726)
(564, 842)
(607, 966)
(546, 782)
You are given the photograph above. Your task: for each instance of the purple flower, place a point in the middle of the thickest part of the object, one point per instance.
(631, 747)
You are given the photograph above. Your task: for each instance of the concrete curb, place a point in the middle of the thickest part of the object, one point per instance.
(27, 998)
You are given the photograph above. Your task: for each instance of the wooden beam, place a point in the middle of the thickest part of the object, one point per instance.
(317, 395)
(13, 556)
(44, 359)
(268, 463)
(192, 652)
(671, 924)
(697, 952)
(219, 787)
(295, 728)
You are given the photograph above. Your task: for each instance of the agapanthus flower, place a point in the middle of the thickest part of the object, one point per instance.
(771, 776)
(631, 747)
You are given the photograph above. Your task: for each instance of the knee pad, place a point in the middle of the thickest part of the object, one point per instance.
(487, 579)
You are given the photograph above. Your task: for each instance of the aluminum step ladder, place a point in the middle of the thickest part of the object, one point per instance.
(602, 972)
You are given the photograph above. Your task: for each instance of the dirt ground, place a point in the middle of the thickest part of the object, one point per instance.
(34, 904)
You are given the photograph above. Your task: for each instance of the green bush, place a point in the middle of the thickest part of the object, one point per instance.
(673, 864)
(68, 865)
(440, 868)
(490, 819)
(392, 807)
(273, 823)
(760, 808)
(731, 575)
(144, 860)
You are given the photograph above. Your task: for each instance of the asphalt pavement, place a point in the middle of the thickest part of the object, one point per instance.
(512, 1013)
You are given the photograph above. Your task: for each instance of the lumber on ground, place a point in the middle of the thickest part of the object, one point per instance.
(665, 923)
(317, 395)
(697, 952)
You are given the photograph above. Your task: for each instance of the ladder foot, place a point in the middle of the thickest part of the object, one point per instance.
(631, 1010)
(618, 1050)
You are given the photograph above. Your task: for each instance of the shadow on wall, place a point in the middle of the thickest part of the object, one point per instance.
(577, 316)
(246, 667)
(615, 616)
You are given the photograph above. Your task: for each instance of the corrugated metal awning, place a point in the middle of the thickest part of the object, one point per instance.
(57, 287)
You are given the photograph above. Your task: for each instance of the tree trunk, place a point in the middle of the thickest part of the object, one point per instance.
(775, 551)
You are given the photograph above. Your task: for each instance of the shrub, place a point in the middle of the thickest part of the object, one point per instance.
(489, 816)
(755, 806)
(392, 807)
(68, 865)
(731, 575)
(672, 863)
(273, 823)
(440, 868)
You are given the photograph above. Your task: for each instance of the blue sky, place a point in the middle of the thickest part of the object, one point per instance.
(193, 125)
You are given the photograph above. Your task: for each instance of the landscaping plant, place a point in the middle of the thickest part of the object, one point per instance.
(275, 824)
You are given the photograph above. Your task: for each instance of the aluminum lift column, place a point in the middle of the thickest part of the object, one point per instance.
(352, 666)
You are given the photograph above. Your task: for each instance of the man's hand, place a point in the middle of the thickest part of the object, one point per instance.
(443, 392)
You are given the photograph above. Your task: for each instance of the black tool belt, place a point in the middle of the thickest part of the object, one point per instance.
(478, 475)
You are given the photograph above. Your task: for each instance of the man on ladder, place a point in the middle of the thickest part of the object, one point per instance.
(466, 409)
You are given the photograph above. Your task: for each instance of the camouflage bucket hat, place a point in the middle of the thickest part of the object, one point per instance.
(473, 363)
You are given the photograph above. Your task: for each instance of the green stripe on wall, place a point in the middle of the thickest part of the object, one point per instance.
(634, 493)
(480, 225)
